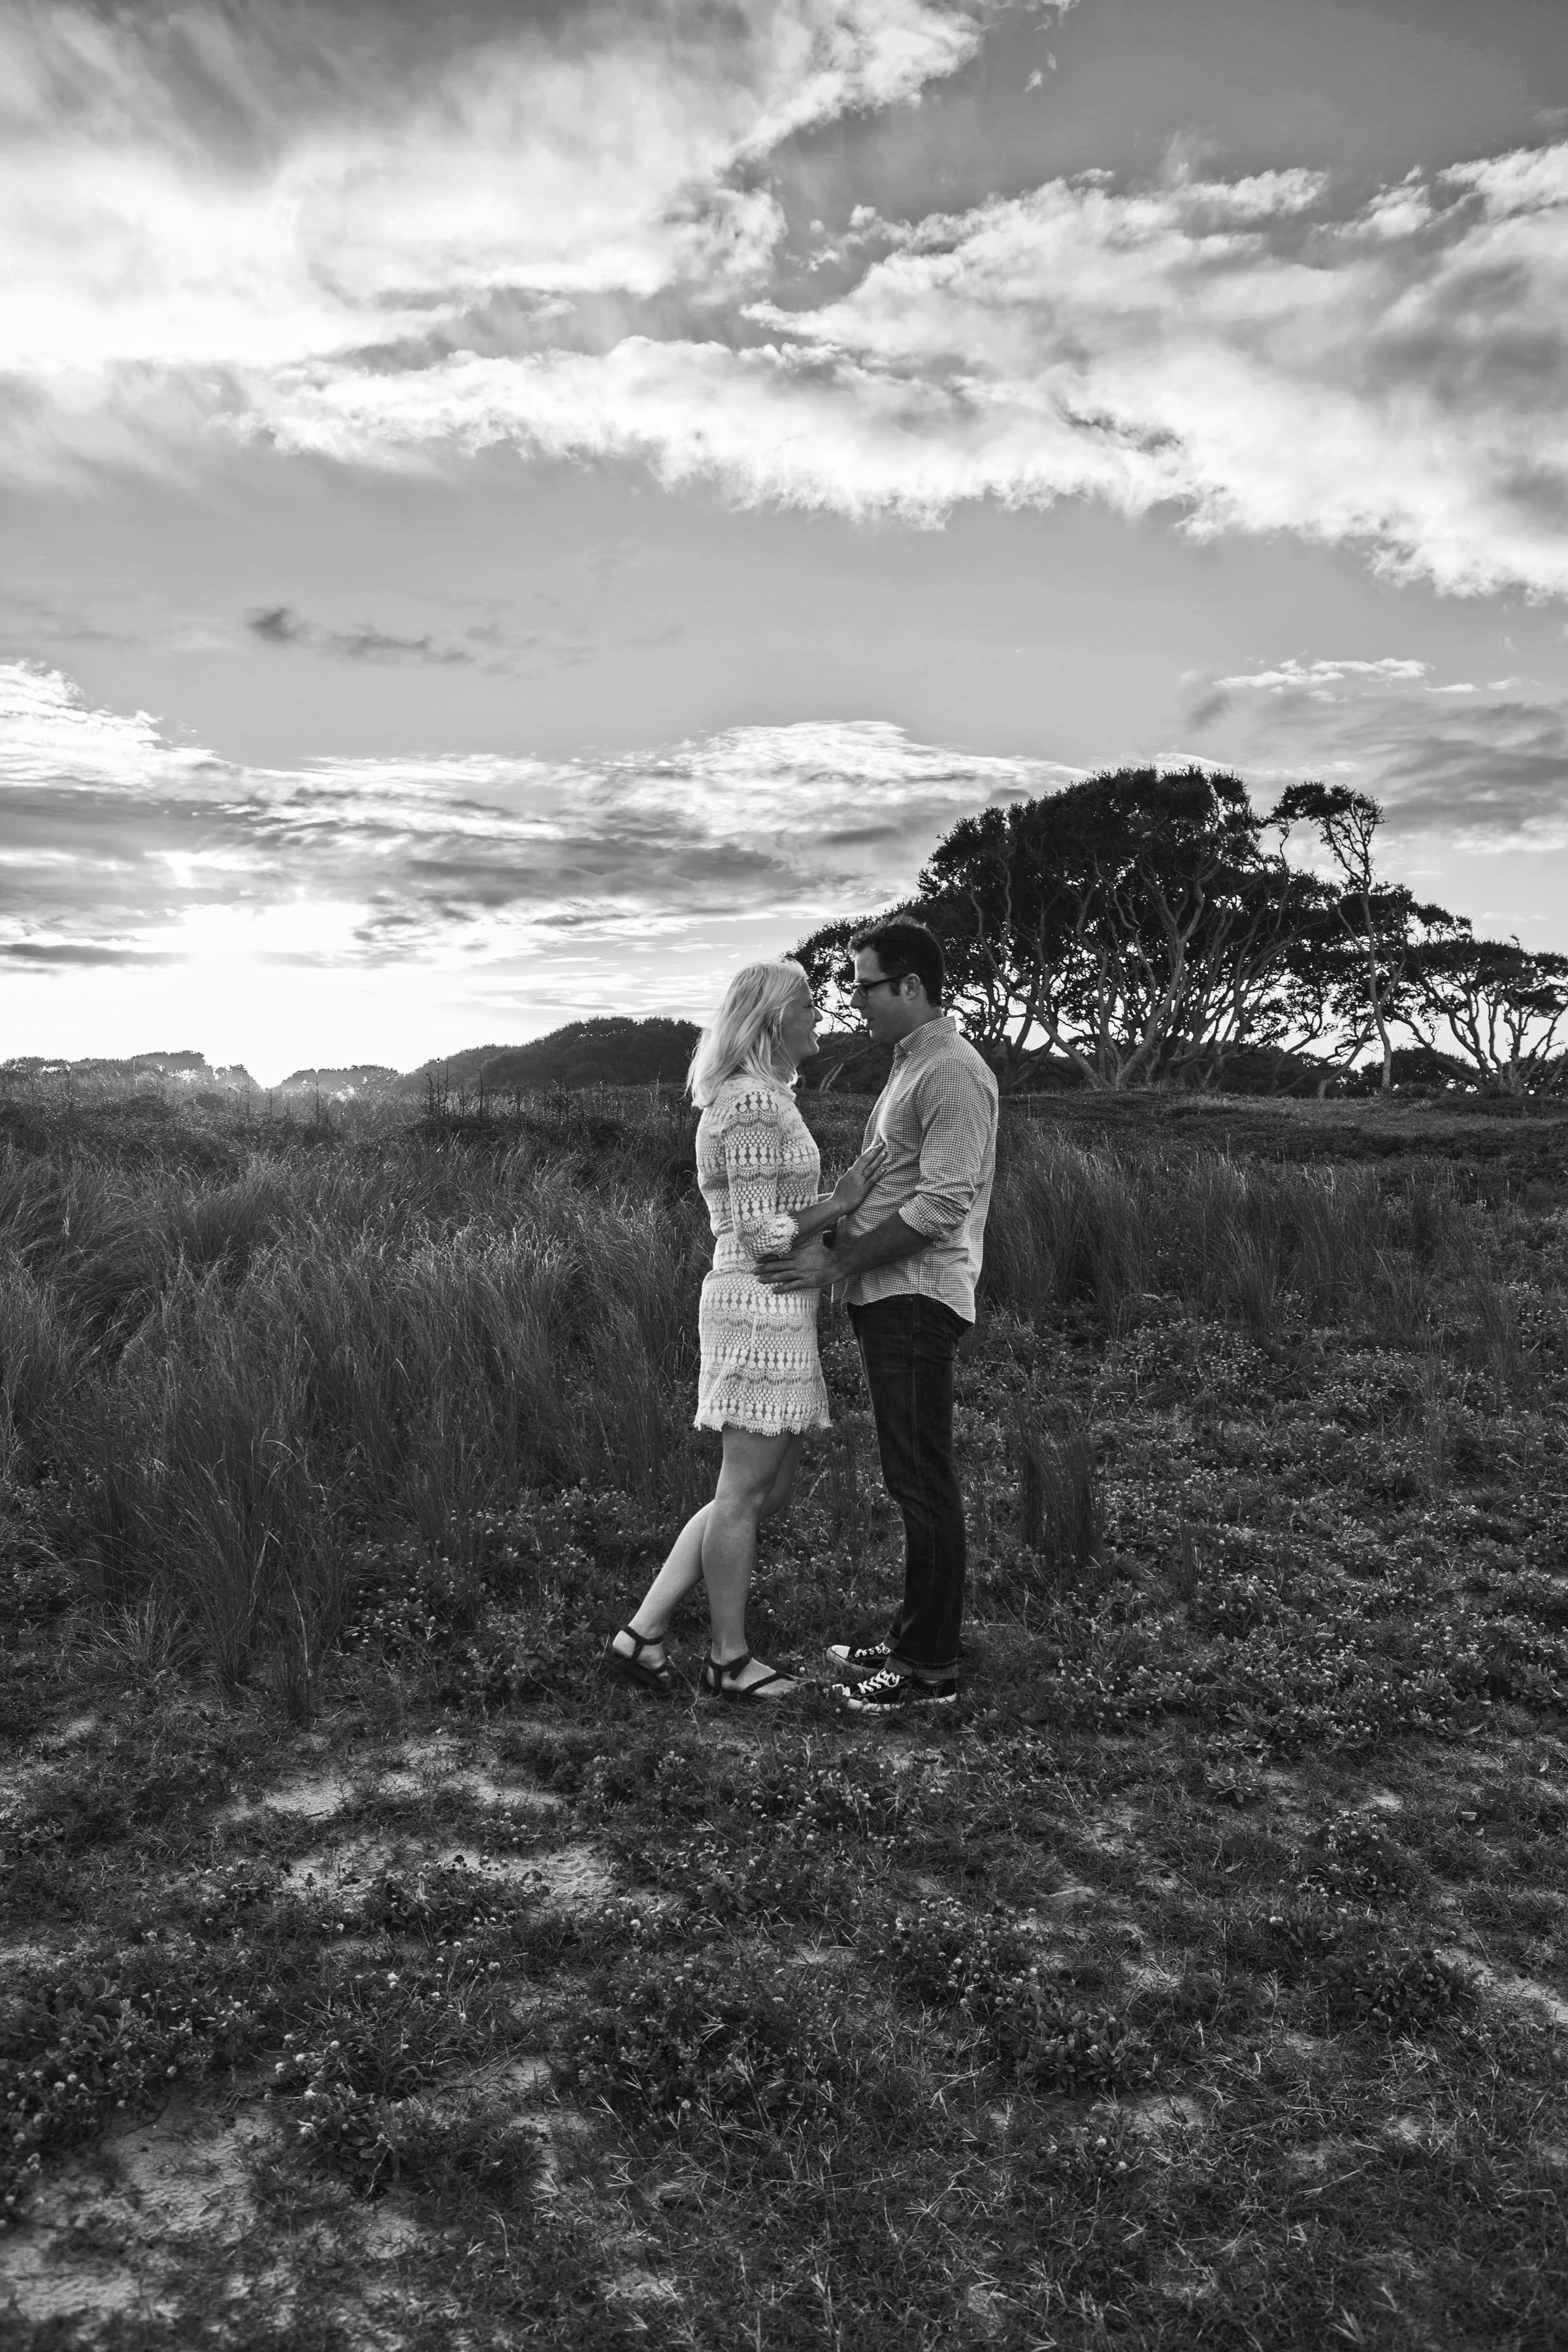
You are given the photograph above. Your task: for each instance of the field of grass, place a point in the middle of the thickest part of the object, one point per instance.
(373, 1972)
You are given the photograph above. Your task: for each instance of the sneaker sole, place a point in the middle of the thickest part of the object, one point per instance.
(895, 1706)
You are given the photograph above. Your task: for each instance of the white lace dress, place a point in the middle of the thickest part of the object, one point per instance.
(755, 1162)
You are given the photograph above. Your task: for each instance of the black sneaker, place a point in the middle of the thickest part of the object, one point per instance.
(888, 1692)
(869, 1658)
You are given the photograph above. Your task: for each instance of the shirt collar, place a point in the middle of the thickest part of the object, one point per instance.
(920, 1041)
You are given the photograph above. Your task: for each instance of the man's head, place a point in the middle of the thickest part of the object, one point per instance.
(898, 977)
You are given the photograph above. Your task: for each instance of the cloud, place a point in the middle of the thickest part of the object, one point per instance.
(29, 618)
(1482, 765)
(80, 955)
(483, 646)
(1398, 378)
(118, 845)
(390, 235)
(280, 625)
(190, 199)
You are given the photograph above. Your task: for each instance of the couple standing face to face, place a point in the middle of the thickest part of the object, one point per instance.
(907, 1271)
(891, 1005)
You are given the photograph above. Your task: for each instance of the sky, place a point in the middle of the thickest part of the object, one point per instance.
(507, 511)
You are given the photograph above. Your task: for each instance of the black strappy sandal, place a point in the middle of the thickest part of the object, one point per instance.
(653, 1678)
(717, 1681)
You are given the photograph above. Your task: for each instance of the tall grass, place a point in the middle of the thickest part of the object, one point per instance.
(223, 1381)
(1272, 1248)
(1059, 1498)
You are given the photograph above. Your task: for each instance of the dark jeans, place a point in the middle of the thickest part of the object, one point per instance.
(907, 1347)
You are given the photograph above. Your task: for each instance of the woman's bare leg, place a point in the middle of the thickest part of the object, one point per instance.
(685, 1564)
(681, 1571)
(783, 1487)
(749, 1474)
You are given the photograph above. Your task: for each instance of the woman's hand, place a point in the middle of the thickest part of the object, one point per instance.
(856, 1182)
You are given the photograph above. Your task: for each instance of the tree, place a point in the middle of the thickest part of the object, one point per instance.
(1503, 1004)
(1135, 924)
(1367, 990)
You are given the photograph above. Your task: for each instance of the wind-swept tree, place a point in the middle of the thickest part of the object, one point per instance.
(1367, 979)
(1505, 1006)
(1135, 925)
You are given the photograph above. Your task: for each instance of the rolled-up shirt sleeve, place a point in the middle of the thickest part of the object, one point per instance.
(958, 1118)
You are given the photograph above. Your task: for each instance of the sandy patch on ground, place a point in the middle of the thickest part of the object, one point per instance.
(1315, 2158)
(469, 1780)
(15, 1779)
(66, 2261)
(390, 2230)
(1153, 2114)
(1519, 1992)
(314, 1797)
(181, 2174)
(630, 2283)
(32, 1951)
(104, 2237)
(69, 1734)
(1422, 2133)
(425, 1769)
(568, 1875)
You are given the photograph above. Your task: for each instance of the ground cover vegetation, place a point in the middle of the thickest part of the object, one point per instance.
(376, 1973)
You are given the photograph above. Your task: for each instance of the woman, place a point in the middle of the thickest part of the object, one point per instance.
(760, 1381)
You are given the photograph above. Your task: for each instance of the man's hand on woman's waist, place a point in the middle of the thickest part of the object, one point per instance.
(813, 1265)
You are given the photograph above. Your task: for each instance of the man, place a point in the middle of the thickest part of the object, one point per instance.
(910, 1257)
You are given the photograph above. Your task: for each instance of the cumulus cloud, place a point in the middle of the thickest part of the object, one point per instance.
(1481, 763)
(387, 234)
(193, 198)
(119, 844)
(1398, 378)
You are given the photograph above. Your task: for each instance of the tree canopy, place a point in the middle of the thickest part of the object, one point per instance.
(1150, 928)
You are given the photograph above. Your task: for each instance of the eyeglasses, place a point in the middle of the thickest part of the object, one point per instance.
(860, 990)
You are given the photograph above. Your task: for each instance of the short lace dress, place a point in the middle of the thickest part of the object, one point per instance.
(755, 1162)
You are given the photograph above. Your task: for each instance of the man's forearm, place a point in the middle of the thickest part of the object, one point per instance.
(879, 1246)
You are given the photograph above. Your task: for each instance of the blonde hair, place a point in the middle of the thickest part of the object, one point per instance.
(743, 1038)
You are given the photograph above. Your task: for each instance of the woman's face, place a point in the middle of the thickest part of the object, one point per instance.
(797, 1026)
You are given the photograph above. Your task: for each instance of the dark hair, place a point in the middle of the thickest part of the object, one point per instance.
(901, 945)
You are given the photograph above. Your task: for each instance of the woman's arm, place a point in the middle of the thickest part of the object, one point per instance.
(754, 1157)
(848, 1193)
(754, 1148)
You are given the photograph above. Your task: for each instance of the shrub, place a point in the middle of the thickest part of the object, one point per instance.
(365, 2067)
(1398, 1989)
(941, 1957)
(1352, 1853)
(688, 2043)
(988, 1970)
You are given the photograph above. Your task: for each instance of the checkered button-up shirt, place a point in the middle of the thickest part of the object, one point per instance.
(937, 1115)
